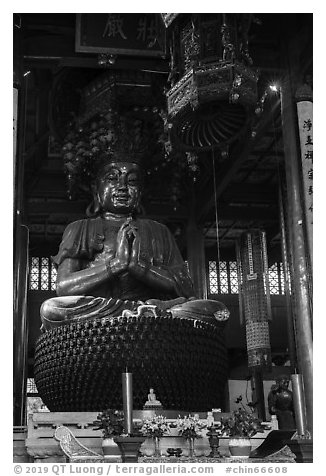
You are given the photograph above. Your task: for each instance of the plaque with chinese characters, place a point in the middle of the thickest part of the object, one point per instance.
(120, 34)
(305, 122)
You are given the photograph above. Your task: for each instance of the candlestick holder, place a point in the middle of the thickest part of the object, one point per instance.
(214, 443)
(302, 448)
(126, 378)
(299, 404)
(129, 447)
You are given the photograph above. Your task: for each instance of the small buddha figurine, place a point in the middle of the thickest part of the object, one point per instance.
(151, 399)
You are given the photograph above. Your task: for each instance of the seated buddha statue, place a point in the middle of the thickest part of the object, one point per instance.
(116, 261)
(151, 400)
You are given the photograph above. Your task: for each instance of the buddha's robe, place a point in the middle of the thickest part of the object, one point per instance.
(92, 240)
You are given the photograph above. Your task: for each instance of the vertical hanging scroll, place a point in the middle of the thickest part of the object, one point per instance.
(254, 297)
(15, 110)
(304, 111)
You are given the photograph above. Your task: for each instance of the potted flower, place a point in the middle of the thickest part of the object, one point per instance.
(240, 427)
(155, 428)
(190, 428)
(111, 424)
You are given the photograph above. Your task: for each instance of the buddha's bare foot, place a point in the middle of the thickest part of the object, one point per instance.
(166, 305)
(206, 310)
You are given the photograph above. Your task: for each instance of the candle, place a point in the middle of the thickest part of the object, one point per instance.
(127, 401)
(299, 404)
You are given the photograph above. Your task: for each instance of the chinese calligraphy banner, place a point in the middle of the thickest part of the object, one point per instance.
(120, 33)
(304, 109)
(15, 121)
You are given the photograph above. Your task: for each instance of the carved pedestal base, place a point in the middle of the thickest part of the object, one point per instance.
(303, 450)
(129, 447)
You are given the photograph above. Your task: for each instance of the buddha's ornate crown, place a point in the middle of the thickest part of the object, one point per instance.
(109, 129)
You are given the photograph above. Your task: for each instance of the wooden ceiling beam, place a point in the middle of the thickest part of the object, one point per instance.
(229, 168)
(245, 213)
(86, 61)
(248, 193)
(279, 154)
(55, 207)
(264, 154)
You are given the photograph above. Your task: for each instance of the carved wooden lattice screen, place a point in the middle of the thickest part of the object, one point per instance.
(43, 274)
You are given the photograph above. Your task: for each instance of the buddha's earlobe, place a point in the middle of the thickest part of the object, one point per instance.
(138, 208)
(94, 207)
(97, 206)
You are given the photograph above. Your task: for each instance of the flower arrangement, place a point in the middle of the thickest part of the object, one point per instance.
(240, 424)
(155, 427)
(189, 427)
(110, 422)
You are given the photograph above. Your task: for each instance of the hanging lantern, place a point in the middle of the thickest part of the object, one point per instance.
(213, 86)
(254, 297)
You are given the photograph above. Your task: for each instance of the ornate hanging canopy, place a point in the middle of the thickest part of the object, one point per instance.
(213, 86)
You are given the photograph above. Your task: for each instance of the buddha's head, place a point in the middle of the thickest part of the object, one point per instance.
(283, 382)
(118, 187)
(116, 167)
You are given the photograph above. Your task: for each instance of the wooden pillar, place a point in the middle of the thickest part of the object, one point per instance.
(287, 283)
(196, 255)
(20, 324)
(303, 96)
(20, 246)
(257, 385)
(301, 276)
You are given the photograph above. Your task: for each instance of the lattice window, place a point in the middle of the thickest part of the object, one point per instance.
(53, 278)
(34, 274)
(212, 277)
(34, 403)
(31, 387)
(233, 270)
(225, 279)
(224, 282)
(43, 275)
(273, 279)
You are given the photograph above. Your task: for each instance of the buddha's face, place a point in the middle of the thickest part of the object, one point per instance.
(283, 383)
(119, 187)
